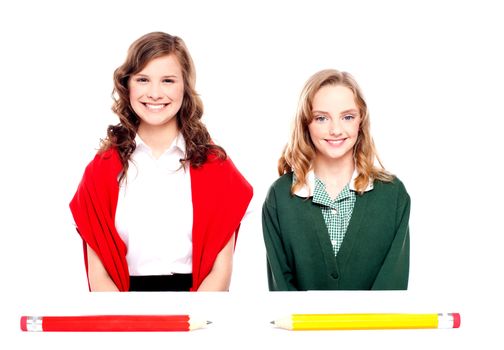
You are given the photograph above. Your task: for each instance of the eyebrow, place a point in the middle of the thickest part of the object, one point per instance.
(352, 110)
(163, 77)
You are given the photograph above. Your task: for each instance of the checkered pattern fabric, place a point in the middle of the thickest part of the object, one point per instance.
(337, 212)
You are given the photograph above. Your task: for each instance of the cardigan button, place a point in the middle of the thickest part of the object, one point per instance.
(335, 275)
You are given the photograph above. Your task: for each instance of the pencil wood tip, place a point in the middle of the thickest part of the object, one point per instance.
(208, 322)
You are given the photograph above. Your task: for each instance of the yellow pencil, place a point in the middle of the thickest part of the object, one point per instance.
(367, 321)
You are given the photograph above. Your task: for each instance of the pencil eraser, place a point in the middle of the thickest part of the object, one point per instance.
(456, 320)
(23, 323)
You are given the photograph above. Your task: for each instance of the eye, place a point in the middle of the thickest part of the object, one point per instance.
(320, 118)
(141, 80)
(168, 81)
(348, 117)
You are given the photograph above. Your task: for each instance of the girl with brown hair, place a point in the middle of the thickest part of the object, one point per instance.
(160, 205)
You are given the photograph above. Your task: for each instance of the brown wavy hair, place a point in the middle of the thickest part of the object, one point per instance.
(299, 153)
(122, 136)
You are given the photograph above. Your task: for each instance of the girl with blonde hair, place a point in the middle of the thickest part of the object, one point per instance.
(335, 219)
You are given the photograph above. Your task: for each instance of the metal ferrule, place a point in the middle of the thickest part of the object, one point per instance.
(445, 320)
(34, 324)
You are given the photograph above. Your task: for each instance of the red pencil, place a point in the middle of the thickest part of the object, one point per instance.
(111, 323)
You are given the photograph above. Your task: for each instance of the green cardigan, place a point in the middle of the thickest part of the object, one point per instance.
(374, 253)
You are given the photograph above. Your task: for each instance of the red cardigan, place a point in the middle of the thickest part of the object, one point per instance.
(220, 197)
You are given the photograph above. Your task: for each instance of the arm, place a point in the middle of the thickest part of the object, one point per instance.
(280, 276)
(219, 277)
(394, 272)
(99, 279)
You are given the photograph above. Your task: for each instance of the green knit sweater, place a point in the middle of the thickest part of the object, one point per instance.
(374, 253)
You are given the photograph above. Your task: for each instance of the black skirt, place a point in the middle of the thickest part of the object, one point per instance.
(181, 282)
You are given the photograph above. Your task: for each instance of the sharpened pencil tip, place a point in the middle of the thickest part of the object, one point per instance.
(208, 322)
(272, 322)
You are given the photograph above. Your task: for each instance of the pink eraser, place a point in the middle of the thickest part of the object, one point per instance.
(456, 320)
(23, 323)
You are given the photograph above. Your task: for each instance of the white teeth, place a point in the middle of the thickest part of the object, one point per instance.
(335, 142)
(155, 107)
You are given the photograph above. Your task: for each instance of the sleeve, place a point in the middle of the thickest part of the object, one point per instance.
(220, 196)
(394, 272)
(280, 276)
(93, 209)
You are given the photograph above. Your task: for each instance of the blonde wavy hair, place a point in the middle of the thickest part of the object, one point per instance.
(299, 153)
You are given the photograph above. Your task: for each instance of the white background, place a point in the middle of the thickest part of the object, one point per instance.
(431, 72)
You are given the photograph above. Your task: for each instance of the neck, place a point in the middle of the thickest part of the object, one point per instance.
(335, 173)
(158, 138)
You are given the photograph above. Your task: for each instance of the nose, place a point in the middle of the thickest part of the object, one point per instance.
(154, 92)
(335, 127)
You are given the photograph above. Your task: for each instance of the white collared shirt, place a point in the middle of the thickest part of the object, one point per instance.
(154, 214)
(308, 188)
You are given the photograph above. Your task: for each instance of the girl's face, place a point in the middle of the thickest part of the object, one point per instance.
(157, 91)
(335, 125)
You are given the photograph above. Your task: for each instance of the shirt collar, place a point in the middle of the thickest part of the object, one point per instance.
(178, 143)
(307, 190)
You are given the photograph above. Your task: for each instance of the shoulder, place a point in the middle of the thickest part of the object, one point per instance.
(104, 162)
(283, 182)
(216, 166)
(100, 178)
(102, 156)
(392, 189)
(395, 185)
(280, 188)
(220, 173)
(110, 155)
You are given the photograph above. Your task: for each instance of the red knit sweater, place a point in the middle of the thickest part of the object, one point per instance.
(220, 197)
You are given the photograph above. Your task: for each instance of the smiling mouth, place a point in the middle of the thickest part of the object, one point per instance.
(155, 107)
(335, 142)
